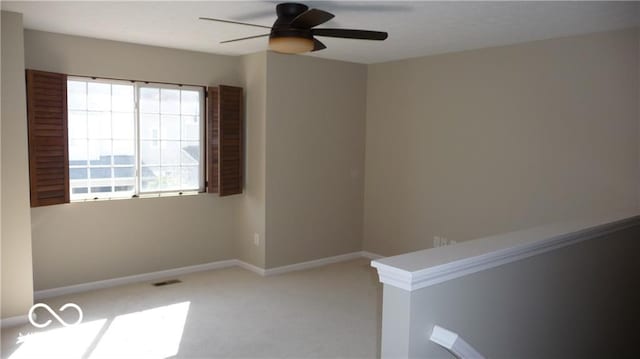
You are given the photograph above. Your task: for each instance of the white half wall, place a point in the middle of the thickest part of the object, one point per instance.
(577, 301)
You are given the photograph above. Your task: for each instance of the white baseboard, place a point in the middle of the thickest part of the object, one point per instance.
(13, 321)
(371, 255)
(169, 273)
(250, 267)
(145, 277)
(312, 264)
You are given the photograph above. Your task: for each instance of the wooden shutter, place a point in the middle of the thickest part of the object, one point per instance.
(225, 141)
(48, 149)
(213, 110)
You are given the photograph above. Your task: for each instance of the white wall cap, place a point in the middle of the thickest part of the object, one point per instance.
(427, 267)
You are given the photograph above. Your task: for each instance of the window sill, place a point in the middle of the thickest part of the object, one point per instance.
(142, 196)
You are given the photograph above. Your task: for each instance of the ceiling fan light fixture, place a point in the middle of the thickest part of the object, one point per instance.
(291, 44)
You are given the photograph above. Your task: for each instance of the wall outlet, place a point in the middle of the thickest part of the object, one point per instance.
(256, 239)
(442, 241)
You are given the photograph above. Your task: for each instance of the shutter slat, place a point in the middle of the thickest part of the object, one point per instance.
(48, 153)
(57, 179)
(52, 196)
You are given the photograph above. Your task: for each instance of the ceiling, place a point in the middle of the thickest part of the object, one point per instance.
(415, 28)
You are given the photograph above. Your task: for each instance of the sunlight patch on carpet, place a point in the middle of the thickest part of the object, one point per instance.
(66, 342)
(152, 333)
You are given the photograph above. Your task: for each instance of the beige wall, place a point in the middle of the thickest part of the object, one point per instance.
(17, 283)
(487, 141)
(252, 208)
(82, 242)
(314, 183)
(315, 158)
(578, 301)
(77, 55)
(459, 145)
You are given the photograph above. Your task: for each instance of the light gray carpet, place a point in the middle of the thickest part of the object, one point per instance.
(327, 312)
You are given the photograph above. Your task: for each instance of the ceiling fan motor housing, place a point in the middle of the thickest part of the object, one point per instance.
(282, 26)
(286, 38)
(288, 11)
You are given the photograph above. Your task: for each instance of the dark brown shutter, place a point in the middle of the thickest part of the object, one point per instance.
(213, 110)
(48, 152)
(225, 141)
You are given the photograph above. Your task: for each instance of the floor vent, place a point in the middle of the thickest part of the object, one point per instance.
(167, 282)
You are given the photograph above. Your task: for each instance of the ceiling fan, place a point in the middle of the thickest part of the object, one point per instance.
(294, 30)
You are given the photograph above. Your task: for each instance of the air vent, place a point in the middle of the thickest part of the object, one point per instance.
(167, 282)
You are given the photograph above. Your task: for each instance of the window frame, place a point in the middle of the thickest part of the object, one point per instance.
(137, 86)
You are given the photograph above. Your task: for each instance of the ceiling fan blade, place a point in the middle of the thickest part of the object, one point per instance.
(351, 34)
(244, 38)
(317, 45)
(233, 22)
(311, 18)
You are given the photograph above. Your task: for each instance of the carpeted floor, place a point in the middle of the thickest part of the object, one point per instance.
(327, 312)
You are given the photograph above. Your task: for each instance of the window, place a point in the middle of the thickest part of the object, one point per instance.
(129, 138)
(97, 138)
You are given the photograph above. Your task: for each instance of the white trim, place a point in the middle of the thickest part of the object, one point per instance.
(370, 255)
(472, 256)
(14, 321)
(313, 263)
(250, 267)
(453, 343)
(145, 277)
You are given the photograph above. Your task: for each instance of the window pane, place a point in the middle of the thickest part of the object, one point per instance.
(150, 178)
(190, 153)
(169, 178)
(100, 138)
(150, 153)
(124, 184)
(77, 123)
(122, 97)
(77, 95)
(124, 172)
(170, 101)
(123, 152)
(150, 127)
(190, 103)
(99, 152)
(78, 153)
(149, 100)
(79, 190)
(101, 189)
(190, 128)
(78, 173)
(98, 96)
(190, 177)
(123, 125)
(170, 153)
(170, 126)
(123, 188)
(99, 124)
(100, 172)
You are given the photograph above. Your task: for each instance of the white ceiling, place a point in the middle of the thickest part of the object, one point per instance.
(415, 28)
